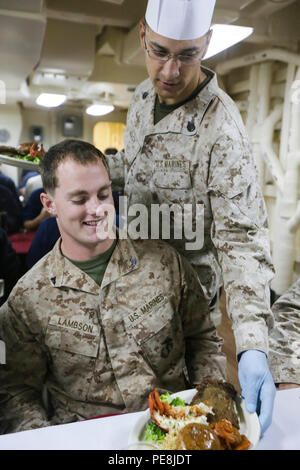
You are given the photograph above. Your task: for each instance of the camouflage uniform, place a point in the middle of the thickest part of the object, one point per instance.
(284, 357)
(199, 154)
(102, 350)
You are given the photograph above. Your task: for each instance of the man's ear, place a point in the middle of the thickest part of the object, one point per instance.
(208, 38)
(142, 33)
(48, 203)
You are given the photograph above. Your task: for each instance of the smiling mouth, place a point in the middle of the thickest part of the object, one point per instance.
(93, 223)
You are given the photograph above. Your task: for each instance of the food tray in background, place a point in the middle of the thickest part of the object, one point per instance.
(19, 163)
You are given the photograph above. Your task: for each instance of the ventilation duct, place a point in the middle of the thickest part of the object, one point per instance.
(21, 38)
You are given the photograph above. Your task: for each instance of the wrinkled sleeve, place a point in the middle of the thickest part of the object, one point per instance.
(22, 377)
(204, 357)
(117, 170)
(241, 237)
(284, 342)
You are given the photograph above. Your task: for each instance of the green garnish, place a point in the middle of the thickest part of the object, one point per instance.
(174, 402)
(27, 158)
(166, 397)
(153, 432)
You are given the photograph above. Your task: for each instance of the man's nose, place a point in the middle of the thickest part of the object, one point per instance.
(93, 205)
(171, 68)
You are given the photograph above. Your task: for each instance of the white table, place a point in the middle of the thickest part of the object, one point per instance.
(284, 432)
(112, 433)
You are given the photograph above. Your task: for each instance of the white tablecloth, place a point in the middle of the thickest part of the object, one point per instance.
(112, 433)
(284, 432)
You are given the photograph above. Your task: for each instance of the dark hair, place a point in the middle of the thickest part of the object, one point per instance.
(76, 150)
(110, 151)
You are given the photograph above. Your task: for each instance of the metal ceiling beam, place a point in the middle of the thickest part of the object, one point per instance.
(106, 69)
(258, 8)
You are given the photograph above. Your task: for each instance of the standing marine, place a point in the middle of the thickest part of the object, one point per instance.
(186, 144)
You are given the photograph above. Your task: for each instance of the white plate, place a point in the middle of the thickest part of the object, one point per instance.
(249, 423)
(19, 163)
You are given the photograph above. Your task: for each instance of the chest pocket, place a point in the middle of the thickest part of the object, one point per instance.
(74, 336)
(173, 186)
(172, 179)
(160, 337)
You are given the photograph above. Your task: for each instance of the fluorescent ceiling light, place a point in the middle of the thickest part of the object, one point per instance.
(99, 109)
(225, 36)
(50, 100)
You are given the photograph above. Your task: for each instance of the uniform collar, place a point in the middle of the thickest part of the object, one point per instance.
(123, 260)
(63, 273)
(184, 120)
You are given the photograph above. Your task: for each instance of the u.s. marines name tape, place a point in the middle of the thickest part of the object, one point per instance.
(146, 308)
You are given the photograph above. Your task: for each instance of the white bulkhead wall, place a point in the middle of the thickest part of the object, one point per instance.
(266, 87)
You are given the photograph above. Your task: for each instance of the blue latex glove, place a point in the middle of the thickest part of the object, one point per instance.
(257, 386)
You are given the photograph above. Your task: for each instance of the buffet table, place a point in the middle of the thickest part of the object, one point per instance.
(111, 433)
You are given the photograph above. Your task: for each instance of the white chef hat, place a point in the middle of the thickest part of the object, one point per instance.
(180, 19)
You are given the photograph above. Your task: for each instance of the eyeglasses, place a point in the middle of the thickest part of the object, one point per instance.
(163, 57)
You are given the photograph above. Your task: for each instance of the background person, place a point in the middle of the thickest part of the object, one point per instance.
(33, 212)
(44, 240)
(33, 183)
(110, 151)
(185, 143)
(10, 205)
(10, 266)
(96, 324)
(30, 180)
(284, 356)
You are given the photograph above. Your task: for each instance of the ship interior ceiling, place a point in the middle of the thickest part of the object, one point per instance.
(90, 51)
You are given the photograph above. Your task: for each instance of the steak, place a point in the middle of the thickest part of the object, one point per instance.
(221, 397)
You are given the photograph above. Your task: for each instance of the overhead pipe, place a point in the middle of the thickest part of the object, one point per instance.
(281, 55)
(285, 167)
(287, 208)
(266, 139)
(264, 81)
(294, 222)
(252, 101)
(291, 180)
(286, 116)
